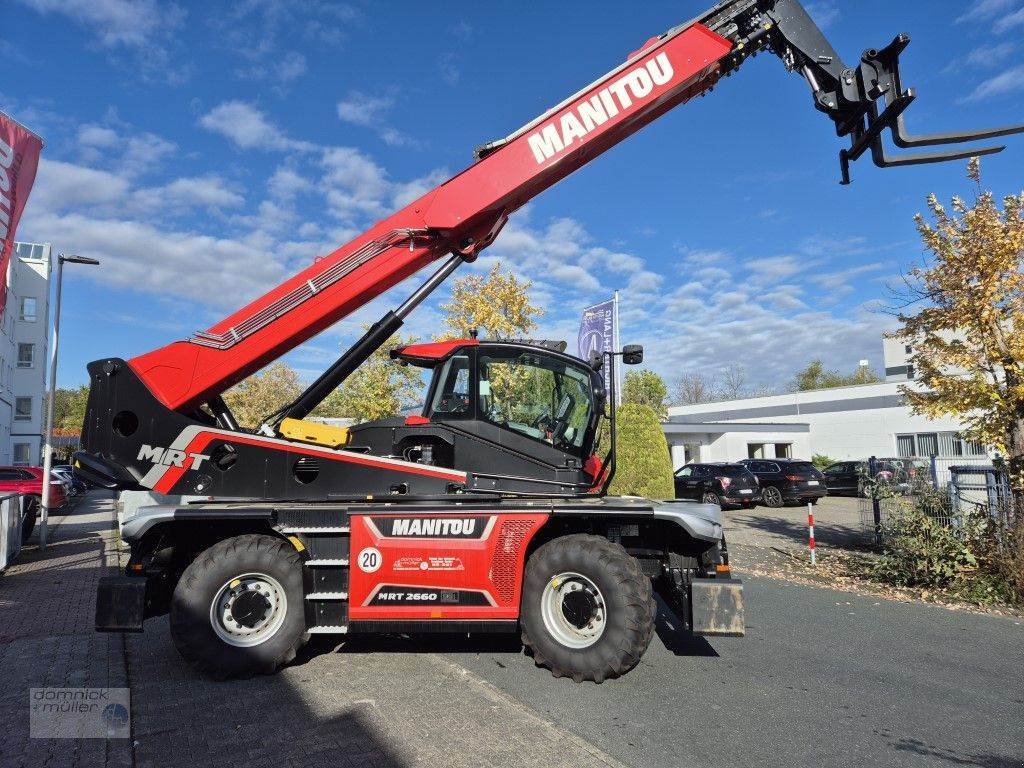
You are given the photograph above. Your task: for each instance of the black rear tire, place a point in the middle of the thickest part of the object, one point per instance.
(192, 627)
(772, 497)
(628, 604)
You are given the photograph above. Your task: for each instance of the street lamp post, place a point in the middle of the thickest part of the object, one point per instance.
(44, 512)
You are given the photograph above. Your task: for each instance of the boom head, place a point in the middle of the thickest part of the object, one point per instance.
(863, 101)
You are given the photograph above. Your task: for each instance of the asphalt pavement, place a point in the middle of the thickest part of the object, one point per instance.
(823, 678)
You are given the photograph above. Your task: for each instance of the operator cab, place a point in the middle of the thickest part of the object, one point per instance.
(518, 416)
(531, 390)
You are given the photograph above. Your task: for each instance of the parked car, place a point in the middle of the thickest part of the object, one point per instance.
(786, 481)
(728, 485)
(848, 477)
(73, 483)
(28, 481)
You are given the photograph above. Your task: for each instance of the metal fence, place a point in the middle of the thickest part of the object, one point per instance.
(948, 488)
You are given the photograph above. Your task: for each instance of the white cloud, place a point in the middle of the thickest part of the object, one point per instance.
(281, 70)
(132, 23)
(209, 192)
(369, 112)
(448, 66)
(361, 109)
(1011, 22)
(354, 184)
(825, 13)
(222, 272)
(1010, 81)
(407, 192)
(983, 10)
(249, 127)
(127, 153)
(286, 183)
(832, 281)
(990, 55)
(776, 267)
(62, 186)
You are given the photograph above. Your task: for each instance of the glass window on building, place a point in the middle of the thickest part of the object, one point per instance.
(26, 355)
(973, 448)
(22, 454)
(28, 309)
(755, 450)
(783, 450)
(905, 446)
(22, 408)
(928, 445)
(950, 444)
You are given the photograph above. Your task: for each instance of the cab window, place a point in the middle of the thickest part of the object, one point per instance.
(536, 396)
(452, 395)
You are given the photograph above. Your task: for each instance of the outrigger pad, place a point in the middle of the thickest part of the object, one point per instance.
(717, 606)
(120, 603)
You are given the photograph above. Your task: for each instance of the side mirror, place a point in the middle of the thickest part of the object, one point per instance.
(596, 360)
(632, 354)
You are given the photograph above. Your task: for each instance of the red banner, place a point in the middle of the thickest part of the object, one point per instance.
(19, 158)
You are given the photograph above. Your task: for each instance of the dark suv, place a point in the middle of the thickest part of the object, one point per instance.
(723, 484)
(787, 481)
(901, 475)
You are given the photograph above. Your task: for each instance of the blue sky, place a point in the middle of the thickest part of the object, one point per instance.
(205, 151)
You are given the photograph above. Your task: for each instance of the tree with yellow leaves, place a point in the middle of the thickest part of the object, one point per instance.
(498, 305)
(263, 393)
(379, 388)
(968, 339)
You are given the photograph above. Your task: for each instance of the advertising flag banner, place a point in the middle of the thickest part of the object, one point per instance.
(19, 158)
(599, 333)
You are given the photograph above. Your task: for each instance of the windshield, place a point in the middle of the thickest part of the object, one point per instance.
(537, 396)
(803, 466)
(731, 470)
(452, 396)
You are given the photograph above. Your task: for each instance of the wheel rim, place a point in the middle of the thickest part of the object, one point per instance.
(710, 498)
(772, 497)
(248, 610)
(573, 610)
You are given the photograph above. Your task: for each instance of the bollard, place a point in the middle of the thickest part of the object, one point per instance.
(810, 528)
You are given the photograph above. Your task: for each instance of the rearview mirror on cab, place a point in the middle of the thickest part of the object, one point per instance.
(632, 354)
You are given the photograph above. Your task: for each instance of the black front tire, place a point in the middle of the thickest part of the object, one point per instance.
(191, 621)
(628, 602)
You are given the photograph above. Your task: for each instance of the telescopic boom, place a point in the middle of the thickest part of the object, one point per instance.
(463, 215)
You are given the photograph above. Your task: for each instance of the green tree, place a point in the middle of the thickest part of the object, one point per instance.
(642, 464)
(821, 461)
(498, 305)
(263, 393)
(69, 408)
(379, 388)
(968, 337)
(816, 376)
(645, 387)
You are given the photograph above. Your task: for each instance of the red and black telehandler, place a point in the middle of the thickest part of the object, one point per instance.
(488, 511)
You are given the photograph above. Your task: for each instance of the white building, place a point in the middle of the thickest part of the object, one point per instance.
(845, 423)
(23, 354)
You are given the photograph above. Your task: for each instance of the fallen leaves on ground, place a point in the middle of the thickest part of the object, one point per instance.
(847, 570)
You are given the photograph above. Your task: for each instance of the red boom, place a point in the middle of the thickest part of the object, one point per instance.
(464, 213)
